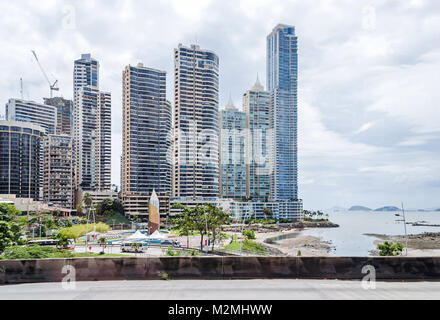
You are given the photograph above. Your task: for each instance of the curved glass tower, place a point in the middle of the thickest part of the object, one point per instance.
(20, 158)
(282, 82)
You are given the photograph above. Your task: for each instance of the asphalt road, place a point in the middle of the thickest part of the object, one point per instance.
(224, 290)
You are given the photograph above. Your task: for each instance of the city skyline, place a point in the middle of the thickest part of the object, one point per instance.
(355, 140)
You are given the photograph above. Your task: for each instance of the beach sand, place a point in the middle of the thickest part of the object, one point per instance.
(309, 246)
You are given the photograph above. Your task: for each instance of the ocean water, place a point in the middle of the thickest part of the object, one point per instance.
(349, 238)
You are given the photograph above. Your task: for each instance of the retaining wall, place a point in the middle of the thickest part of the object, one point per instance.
(218, 268)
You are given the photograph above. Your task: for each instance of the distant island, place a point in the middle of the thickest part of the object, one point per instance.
(384, 209)
(337, 209)
(359, 208)
(387, 209)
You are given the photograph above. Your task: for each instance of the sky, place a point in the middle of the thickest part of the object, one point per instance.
(369, 77)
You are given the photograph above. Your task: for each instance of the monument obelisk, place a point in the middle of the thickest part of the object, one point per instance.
(153, 214)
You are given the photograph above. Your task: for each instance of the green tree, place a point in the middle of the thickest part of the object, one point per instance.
(104, 208)
(8, 212)
(63, 240)
(183, 222)
(200, 221)
(216, 219)
(103, 244)
(267, 212)
(389, 249)
(10, 233)
(87, 201)
(49, 222)
(79, 209)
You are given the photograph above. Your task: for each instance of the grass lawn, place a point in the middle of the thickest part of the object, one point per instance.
(247, 245)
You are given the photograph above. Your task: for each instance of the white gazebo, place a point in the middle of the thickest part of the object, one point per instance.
(157, 235)
(137, 236)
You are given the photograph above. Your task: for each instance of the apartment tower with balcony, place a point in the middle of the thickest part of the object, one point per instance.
(146, 140)
(196, 125)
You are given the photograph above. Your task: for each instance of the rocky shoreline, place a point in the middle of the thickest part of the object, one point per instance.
(282, 227)
(425, 244)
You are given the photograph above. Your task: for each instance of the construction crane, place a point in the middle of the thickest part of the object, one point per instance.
(53, 87)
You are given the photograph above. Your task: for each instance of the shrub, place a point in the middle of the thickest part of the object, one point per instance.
(172, 253)
(250, 234)
(35, 252)
(388, 249)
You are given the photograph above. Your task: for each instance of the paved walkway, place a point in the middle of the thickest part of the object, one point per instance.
(224, 290)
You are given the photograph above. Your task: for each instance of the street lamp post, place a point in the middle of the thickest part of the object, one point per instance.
(404, 224)
(406, 234)
(87, 229)
(206, 221)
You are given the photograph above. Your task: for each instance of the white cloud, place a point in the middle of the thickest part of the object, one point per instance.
(365, 127)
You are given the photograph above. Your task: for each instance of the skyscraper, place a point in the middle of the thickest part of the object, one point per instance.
(146, 139)
(282, 82)
(29, 111)
(20, 158)
(92, 128)
(64, 114)
(92, 140)
(232, 153)
(57, 171)
(257, 108)
(85, 73)
(196, 96)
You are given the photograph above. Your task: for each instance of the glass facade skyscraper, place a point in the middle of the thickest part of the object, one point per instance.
(146, 139)
(282, 82)
(92, 140)
(29, 111)
(256, 106)
(91, 128)
(196, 94)
(232, 153)
(85, 73)
(20, 158)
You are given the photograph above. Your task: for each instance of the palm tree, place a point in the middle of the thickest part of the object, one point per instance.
(102, 243)
(267, 212)
(88, 201)
(79, 209)
(63, 241)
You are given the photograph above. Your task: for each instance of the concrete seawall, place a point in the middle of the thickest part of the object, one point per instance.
(218, 268)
